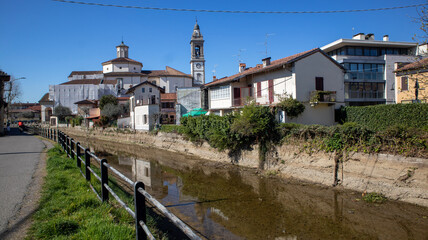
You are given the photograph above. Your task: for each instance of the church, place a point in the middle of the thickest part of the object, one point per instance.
(121, 74)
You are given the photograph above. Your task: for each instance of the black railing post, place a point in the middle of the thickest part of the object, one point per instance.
(140, 210)
(67, 143)
(72, 148)
(87, 165)
(104, 180)
(78, 154)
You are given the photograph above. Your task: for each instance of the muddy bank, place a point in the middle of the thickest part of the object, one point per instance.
(396, 177)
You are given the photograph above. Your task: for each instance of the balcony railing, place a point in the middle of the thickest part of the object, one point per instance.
(241, 101)
(365, 94)
(364, 76)
(142, 102)
(323, 97)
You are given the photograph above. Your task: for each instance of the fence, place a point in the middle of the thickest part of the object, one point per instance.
(82, 155)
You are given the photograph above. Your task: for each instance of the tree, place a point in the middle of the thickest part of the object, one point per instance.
(111, 111)
(61, 112)
(12, 93)
(27, 115)
(106, 99)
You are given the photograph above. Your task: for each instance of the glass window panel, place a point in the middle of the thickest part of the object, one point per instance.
(373, 52)
(354, 66)
(342, 51)
(389, 51)
(366, 51)
(374, 67)
(367, 67)
(383, 51)
(360, 67)
(351, 51)
(380, 67)
(358, 51)
(395, 51)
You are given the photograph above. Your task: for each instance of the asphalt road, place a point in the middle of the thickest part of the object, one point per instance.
(19, 156)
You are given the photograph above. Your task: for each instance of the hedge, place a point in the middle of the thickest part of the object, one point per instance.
(380, 117)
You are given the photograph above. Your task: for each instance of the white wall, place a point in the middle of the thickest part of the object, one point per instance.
(144, 117)
(220, 103)
(139, 95)
(321, 114)
(317, 65)
(67, 95)
(283, 82)
(172, 83)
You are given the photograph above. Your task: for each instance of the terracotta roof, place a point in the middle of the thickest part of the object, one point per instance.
(123, 74)
(84, 73)
(169, 71)
(113, 82)
(122, 60)
(273, 65)
(23, 110)
(421, 64)
(83, 81)
(168, 96)
(45, 98)
(37, 108)
(130, 90)
(86, 101)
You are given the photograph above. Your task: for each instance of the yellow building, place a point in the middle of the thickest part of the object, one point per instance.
(411, 82)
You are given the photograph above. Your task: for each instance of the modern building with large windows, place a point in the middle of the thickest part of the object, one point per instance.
(370, 66)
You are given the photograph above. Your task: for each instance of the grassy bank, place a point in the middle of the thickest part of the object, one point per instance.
(70, 210)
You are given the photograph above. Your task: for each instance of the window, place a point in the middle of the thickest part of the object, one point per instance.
(319, 83)
(404, 83)
(143, 90)
(145, 119)
(197, 51)
(358, 51)
(120, 67)
(259, 89)
(220, 92)
(150, 90)
(154, 82)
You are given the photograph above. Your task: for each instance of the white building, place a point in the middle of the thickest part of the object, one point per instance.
(302, 76)
(370, 66)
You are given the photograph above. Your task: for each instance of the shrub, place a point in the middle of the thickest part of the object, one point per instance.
(380, 117)
(290, 106)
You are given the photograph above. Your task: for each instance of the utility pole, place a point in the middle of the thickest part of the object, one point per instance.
(3, 78)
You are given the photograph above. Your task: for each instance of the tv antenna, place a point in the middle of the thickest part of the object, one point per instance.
(239, 54)
(214, 70)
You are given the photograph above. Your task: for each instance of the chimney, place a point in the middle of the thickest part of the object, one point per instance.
(242, 67)
(385, 38)
(359, 36)
(370, 36)
(266, 61)
(214, 78)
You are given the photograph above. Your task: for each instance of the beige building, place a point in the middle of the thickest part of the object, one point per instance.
(412, 82)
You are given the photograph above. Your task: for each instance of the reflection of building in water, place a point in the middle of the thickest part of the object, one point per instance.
(151, 175)
(123, 160)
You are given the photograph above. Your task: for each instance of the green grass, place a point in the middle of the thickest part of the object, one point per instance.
(70, 210)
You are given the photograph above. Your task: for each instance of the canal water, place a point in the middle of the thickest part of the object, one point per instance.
(222, 201)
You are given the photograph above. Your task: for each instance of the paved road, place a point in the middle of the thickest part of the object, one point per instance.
(19, 156)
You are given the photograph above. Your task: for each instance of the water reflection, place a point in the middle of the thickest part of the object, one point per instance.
(227, 202)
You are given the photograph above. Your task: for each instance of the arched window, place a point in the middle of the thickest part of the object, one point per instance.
(199, 77)
(197, 51)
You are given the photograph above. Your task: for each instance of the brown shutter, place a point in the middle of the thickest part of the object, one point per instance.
(319, 83)
(259, 89)
(404, 84)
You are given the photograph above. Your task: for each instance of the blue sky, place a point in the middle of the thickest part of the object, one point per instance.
(45, 40)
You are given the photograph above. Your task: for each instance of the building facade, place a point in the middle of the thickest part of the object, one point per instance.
(412, 82)
(311, 77)
(370, 66)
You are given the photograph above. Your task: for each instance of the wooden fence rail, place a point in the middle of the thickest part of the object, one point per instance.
(83, 155)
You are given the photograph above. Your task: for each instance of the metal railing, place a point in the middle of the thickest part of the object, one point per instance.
(83, 155)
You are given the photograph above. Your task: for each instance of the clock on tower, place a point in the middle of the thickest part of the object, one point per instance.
(197, 60)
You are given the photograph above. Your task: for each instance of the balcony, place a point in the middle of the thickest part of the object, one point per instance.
(368, 94)
(358, 76)
(142, 102)
(328, 97)
(237, 102)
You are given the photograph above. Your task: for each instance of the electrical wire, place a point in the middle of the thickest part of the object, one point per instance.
(240, 11)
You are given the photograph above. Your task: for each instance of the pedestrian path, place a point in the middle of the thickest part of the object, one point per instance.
(19, 156)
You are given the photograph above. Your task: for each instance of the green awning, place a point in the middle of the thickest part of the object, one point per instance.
(195, 112)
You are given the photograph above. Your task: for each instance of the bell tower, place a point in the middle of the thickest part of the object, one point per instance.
(197, 61)
(122, 50)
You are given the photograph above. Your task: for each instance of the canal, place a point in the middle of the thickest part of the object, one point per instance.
(223, 201)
